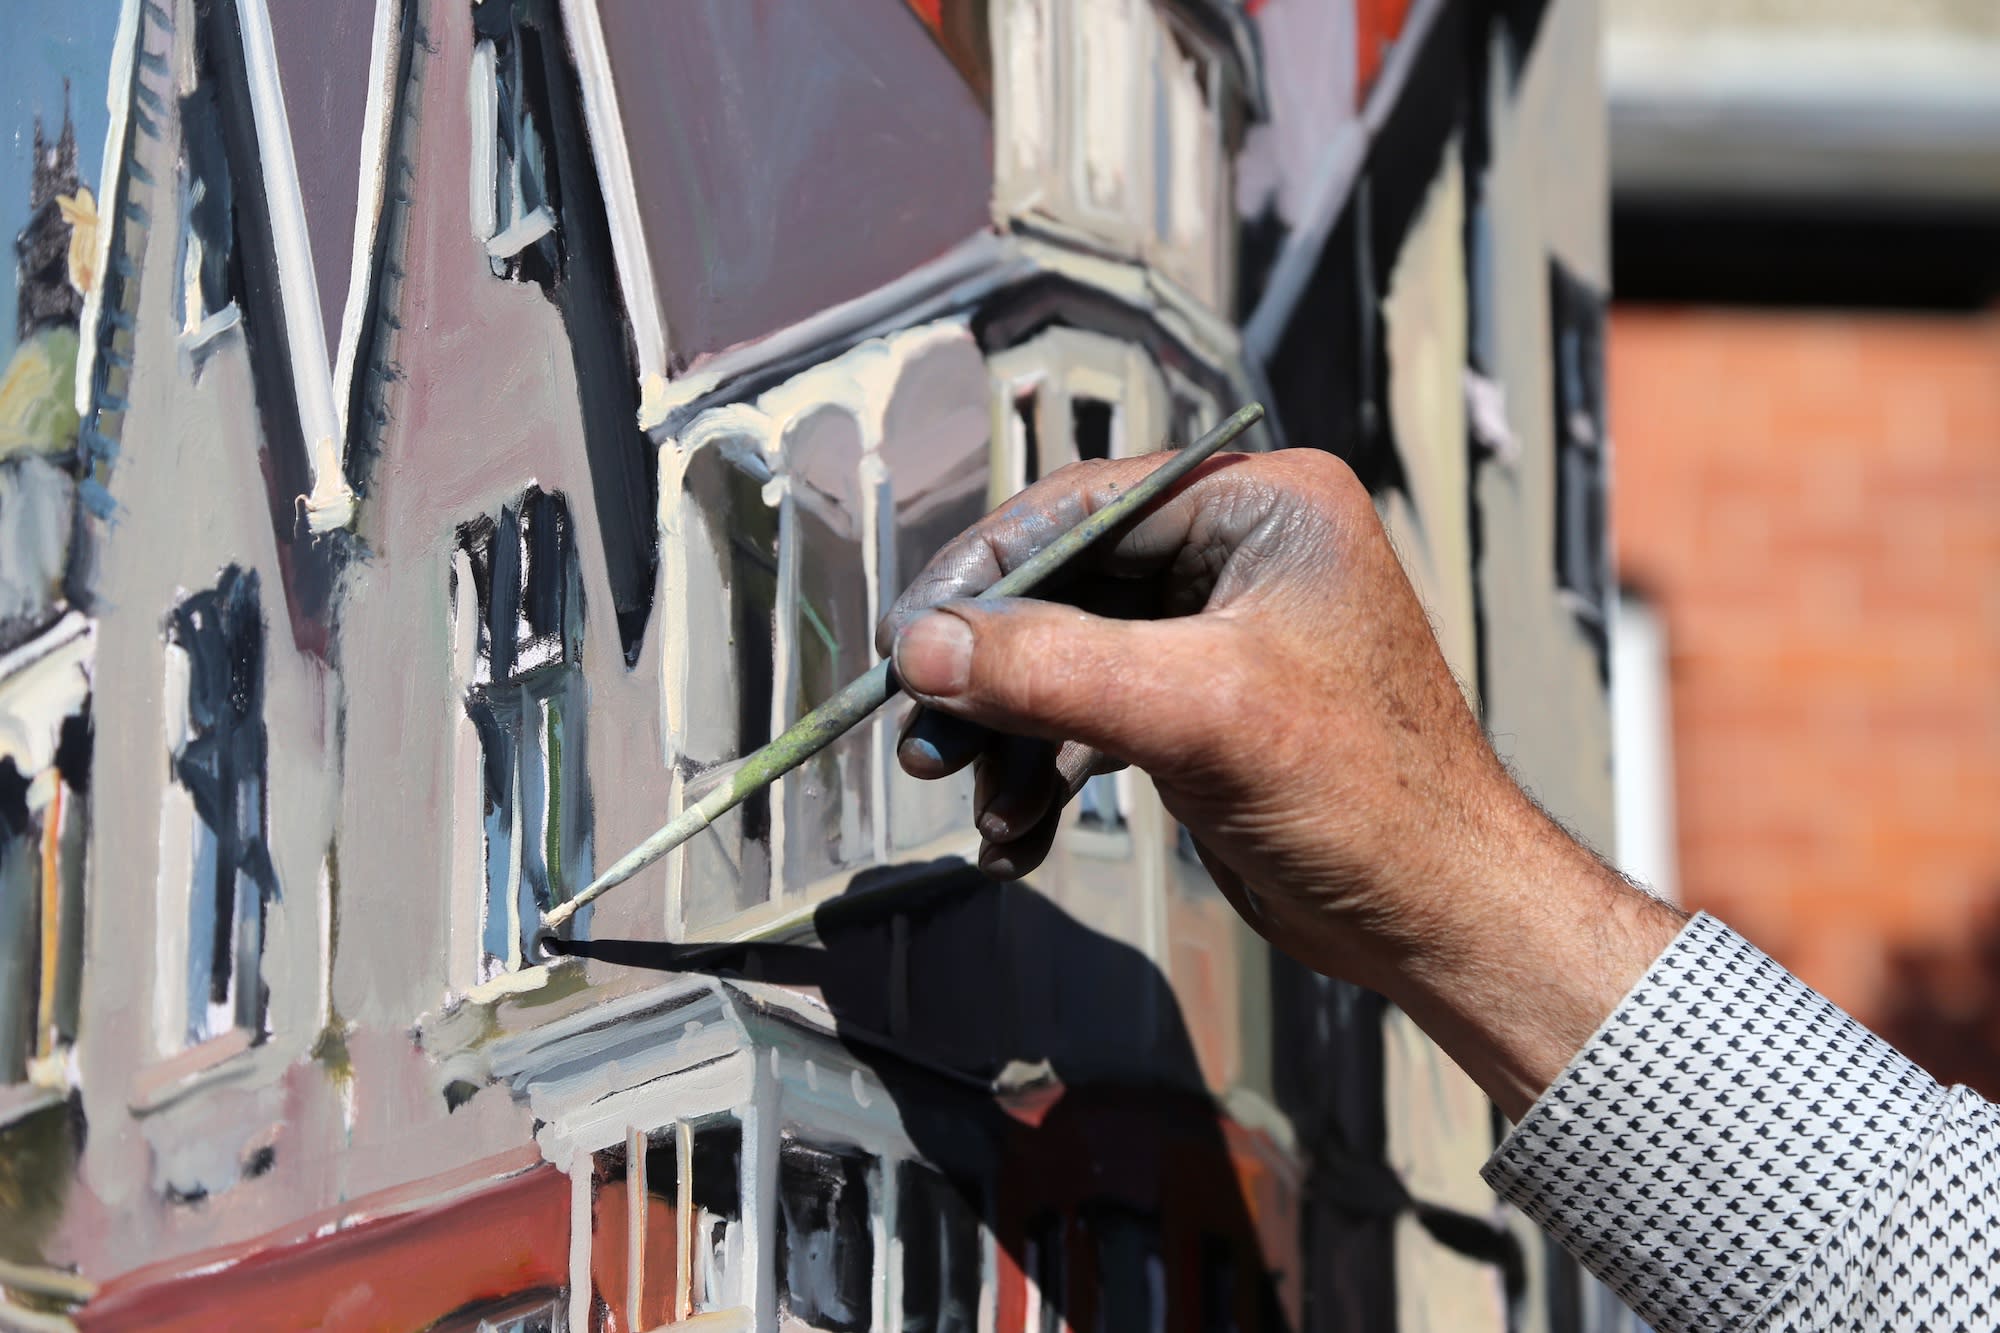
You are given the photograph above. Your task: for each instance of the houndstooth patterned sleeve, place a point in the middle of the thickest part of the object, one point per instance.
(1731, 1151)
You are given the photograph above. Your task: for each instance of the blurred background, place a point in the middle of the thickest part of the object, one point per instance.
(1805, 399)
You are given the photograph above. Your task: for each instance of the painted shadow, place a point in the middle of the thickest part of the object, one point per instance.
(1047, 1074)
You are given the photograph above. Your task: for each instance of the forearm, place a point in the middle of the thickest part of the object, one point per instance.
(1542, 943)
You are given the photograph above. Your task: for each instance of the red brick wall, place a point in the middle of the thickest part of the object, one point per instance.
(1813, 500)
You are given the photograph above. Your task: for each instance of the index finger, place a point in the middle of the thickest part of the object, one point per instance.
(1009, 537)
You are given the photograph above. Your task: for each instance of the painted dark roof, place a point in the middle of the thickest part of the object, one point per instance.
(323, 62)
(788, 157)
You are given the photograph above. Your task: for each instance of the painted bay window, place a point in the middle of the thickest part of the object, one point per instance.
(220, 759)
(516, 576)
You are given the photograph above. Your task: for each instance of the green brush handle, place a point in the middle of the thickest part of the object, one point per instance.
(859, 698)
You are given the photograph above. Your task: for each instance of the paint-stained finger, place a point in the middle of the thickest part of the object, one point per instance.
(936, 745)
(1014, 786)
(1010, 536)
(1013, 859)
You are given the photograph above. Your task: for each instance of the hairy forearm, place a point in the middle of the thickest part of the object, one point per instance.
(1539, 953)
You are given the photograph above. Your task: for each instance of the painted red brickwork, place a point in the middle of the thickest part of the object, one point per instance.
(1814, 501)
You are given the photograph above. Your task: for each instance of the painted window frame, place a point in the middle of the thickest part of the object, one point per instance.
(524, 715)
(505, 175)
(872, 1175)
(206, 299)
(237, 1006)
(1110, 125)
(631, 1161)
(783, 883)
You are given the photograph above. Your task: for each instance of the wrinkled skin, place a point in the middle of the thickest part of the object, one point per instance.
(1253, 644)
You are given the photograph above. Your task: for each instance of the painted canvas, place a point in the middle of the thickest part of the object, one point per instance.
(439, 438)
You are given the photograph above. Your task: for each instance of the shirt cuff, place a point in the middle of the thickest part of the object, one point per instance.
(1711, 1135)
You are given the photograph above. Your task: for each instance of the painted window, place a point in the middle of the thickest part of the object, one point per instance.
(829, 809)
(516, 574)
(730, 528)
(716, 1276)
(216, 658)
(513, 191)
(667, 1233)
(779, 616)
(206, 296)
(1191, 185)
(825, 1236)
(943, 1253)
(1110, 117)
(1583, 561)
(42, 833)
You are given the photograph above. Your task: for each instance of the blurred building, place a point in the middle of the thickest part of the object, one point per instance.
(1805, 400)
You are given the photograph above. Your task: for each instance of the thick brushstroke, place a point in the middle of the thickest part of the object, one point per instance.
(528, 704)
(573, 263)
(826, 1248)
(224, 765)
(310, 564)
(1140, 1112)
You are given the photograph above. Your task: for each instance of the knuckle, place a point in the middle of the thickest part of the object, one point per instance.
(1323, 476)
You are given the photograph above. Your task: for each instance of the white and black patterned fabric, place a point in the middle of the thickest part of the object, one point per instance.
(1730, 1151)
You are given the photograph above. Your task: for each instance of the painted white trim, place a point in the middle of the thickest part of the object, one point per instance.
(621, 199)
(373, 171)
(482, 110)
(330, 504)
(111, 178)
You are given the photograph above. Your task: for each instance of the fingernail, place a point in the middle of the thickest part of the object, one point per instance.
(934, 655)
(936, 743)
(997, 863)
(996, 822)
(922, 751)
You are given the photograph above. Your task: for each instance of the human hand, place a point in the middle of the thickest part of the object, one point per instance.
(1254, 646)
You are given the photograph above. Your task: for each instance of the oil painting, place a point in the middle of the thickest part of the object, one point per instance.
(440, 438)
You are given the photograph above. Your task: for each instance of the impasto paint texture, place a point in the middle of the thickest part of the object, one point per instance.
(438, 438)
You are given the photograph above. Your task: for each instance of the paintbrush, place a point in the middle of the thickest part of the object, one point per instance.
(852, 705)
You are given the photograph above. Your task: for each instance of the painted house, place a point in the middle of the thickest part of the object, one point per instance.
(497, 417)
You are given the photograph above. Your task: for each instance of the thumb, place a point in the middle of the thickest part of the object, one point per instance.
(1141, 691)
